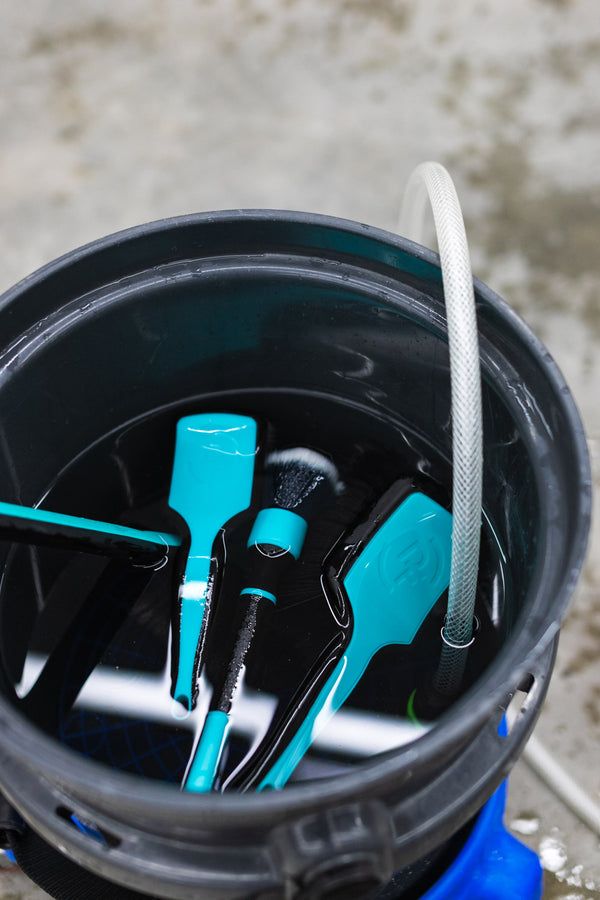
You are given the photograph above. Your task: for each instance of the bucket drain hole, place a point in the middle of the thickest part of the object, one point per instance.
(84, 826)
(519, 704)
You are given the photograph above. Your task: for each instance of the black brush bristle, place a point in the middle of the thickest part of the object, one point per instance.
(300, 480)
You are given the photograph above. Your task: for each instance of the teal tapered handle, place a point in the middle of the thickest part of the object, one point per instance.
(337, 689)
(213, 471)
(206, 757)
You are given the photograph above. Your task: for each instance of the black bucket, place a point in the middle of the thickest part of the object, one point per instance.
(335, 332)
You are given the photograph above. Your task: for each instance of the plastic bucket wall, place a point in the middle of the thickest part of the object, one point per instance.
(209, 309)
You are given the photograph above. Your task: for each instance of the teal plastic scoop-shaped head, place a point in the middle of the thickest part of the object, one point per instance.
(212, 478)
(391, 586)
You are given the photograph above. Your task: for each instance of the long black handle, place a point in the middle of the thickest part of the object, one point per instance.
(267, 563)
(223, 692)
(41, 526)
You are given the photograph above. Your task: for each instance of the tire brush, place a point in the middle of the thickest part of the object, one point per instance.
(298, 484)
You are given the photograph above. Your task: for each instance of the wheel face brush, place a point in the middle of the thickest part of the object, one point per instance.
(298, 483)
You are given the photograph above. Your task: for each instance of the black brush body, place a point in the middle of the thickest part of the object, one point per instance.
(300, 638)
(298, 483)
(80, 648)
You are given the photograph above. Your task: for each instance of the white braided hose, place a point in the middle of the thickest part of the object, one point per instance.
(432, 180)
(468, 453)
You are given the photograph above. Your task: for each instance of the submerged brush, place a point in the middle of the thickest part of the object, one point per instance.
(298, 483)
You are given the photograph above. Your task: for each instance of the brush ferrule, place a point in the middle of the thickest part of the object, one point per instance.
(267, 565)
(259, 592)
(279, 528)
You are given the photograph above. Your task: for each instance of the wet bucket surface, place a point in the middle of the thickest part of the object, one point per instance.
(335, 333)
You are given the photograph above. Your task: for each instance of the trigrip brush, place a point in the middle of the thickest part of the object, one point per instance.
(381, 581)
(213, 471)
(298, 483)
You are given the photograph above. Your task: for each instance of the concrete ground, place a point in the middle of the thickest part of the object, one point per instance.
(112, 114)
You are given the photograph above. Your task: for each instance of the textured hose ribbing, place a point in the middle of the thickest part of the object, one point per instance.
(467, 431)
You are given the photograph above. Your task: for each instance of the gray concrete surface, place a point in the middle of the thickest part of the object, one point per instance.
(112, 114)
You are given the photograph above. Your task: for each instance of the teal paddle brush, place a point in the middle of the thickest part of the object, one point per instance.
(213, 471)
(381, 582)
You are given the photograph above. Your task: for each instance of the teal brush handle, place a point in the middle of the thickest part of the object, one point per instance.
(213, 471)
(207, 755)
(336, 691)
(41, 526)
(391, 586)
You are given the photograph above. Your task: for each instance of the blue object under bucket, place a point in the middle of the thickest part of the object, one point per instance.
(492, 865)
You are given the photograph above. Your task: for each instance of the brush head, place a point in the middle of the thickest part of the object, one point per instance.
(300, 480)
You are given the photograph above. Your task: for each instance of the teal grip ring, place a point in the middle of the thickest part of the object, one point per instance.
(279, 527)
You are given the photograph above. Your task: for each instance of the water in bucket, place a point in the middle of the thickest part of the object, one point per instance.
(125, 716)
